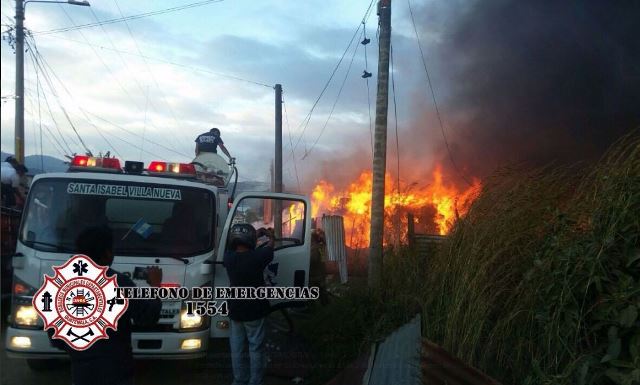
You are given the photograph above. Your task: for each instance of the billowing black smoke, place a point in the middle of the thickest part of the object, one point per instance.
(538, 81)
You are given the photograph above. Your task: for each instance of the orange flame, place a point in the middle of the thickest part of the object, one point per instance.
(435, 207)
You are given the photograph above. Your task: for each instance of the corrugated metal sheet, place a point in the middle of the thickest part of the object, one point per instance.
(397, 359)
(333, 226)
(439, 367)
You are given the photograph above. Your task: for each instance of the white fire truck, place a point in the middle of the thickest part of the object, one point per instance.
(168, 215)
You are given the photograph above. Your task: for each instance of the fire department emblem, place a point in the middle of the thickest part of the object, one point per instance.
(79, 302)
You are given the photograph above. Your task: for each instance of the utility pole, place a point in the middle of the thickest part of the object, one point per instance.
(380, 147)
(19, 118)
(277, 185)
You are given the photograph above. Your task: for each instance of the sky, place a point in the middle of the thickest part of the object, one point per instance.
(146, 88)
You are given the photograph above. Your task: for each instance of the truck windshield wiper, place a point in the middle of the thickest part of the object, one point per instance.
(184, 260)
(53, 245)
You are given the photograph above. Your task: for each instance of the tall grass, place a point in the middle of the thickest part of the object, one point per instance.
(540, 282)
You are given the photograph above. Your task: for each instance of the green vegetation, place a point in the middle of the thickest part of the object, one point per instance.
(538, 284)
(339, 332)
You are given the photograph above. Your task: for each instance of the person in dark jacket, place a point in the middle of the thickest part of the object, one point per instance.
(110, 361)
(245, 265)
(209, 142)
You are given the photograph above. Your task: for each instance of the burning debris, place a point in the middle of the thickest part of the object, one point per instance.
(435, 206)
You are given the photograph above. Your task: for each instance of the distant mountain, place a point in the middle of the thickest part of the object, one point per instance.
(34, 163)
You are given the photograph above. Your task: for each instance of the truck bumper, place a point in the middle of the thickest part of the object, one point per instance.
(34, 344)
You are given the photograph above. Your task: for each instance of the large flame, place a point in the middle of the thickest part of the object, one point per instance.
(434, 207)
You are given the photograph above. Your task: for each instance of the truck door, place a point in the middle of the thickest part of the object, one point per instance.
(289, 217)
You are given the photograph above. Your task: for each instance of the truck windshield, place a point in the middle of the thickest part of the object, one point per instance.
(146, 219)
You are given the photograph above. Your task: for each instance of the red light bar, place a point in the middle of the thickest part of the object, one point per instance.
(172, 168)
(158, 166)
(187, 168)
(111, 163)
(90, 161)
(79, 160)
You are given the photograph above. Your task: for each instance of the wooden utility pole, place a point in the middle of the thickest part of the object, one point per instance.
(19, 117)
(277, 180)
(380, 147)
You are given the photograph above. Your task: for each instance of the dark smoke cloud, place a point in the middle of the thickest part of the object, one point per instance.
(537, 81)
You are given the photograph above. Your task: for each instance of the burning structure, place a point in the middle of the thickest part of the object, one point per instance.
(435, 206)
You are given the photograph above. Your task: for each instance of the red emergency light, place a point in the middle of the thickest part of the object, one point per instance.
(172, 168)
(84, 161)
(169, 284)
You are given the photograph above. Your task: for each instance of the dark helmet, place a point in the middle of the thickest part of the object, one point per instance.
(215, 131)
(244, 234)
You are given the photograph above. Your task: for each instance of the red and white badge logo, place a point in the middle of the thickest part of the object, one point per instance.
(79, 302)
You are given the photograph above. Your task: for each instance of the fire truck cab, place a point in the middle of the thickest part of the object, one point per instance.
(161, 215)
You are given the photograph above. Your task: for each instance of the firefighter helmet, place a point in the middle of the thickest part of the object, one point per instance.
(244, 234)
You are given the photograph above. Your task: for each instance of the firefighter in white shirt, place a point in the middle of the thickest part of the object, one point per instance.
(12, 172)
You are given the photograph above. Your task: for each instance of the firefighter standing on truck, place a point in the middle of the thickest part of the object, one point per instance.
(209, 142)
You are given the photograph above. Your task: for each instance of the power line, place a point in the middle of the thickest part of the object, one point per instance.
(293, 155)
(366, 66)
(395, 115)
(132, 145)
(51, 138)
(433, 95)
(307, 119)
(126, 18)
(36, 67)
(93, 48)
(195, 69)
(136, 135)
(42, 63)
(344, 81)
(39, 119)
(149, 70)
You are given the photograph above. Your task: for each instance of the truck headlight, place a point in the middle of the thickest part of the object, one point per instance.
(189, 321)
(21, 342)
(25, 315)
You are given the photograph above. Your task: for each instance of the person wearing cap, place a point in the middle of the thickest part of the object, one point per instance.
(245, 265)
(209, 142)
(11, 174)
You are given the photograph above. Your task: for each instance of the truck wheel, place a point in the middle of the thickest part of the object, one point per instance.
(42, 365)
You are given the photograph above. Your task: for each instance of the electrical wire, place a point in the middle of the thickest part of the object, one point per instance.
(395, 115)
(344, 81)
(39, 119)
(163, 97)
(51, 138)
(307, 119)
(126, 18)
(293, 155)
(41, 62)
(46, 100)
(185, 66)
(124, 62)
(366, 66)
(433, 95)
(136, 135)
